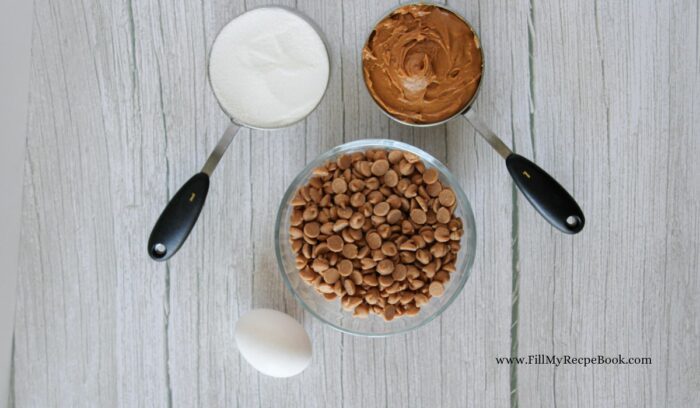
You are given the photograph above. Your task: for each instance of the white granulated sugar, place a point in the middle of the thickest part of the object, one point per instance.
(268, 68)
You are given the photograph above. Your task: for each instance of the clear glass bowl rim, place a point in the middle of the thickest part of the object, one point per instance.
(365, 144)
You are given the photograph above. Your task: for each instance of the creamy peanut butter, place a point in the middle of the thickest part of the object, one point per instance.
(422, 64)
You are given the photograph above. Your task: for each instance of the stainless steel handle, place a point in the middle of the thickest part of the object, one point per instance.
(488, 134)
(220, 149)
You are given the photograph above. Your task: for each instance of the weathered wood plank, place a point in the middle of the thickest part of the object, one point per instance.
(503, 104)
(208, 273)
(613, 88)
(90, 308)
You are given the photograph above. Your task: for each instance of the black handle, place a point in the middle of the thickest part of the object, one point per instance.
(177, 219)
(548, 197)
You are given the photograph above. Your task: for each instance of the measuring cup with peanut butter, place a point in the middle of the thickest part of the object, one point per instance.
(423, 64)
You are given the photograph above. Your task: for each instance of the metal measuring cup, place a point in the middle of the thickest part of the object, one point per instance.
(181, 213)
(548, 197)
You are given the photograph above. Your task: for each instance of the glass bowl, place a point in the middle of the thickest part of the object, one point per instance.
(331, 312)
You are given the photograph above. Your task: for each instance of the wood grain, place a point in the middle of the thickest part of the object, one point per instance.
(120, 115)
(619, 129)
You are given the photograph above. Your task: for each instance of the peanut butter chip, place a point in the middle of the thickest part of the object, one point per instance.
(295, 233)
(296, 219)
(391, 178)
(349, 287)
(395, 156)
(405, 168)
(307, 274)
(412, 310)
(356, 277)
(418, 216)
(443, 215)
(399, 273)
(389, 249)
(446, 197)
(350, 251)
(335, 243)
(380, 167)
(411, 191)
(312, 229)
(321, 172)
(375, 197)
(319, 265)
(434, 189)
(325, 288)
(356, 185)
(410, 157)
(436, 289)
(310, 214)
(365, 168)
(340, 225)
(394, 216)
(330, 276)
(357, 221)
(384, 231)
(370, 280)
(442, 277)
(339, 186)
(327, 228)
(344, 161)
(341, 200)
(385, 267)
(298, 201)
(357, 200)
(385, 281)
(394, 201)
(439, 250)
(390, 312)
(382, 209)
(374, 241)
(442, 234)
(361, 311)
(430, 176)
(345, 267)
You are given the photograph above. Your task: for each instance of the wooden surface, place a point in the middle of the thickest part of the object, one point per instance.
(15, 23)
(601, 94)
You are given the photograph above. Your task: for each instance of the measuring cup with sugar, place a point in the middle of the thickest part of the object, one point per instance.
(268, 69)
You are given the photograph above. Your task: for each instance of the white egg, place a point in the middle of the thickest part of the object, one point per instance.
(273, 343)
